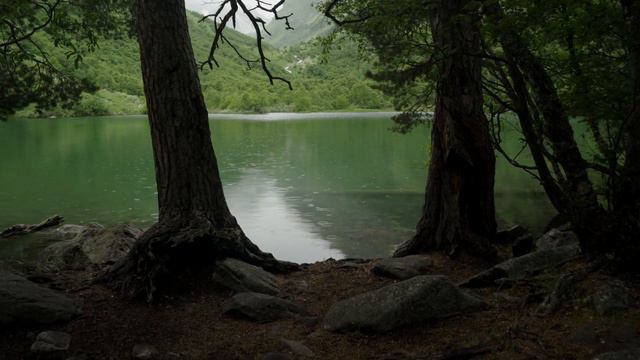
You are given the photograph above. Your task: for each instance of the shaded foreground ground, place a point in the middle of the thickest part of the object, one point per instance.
(190, 325)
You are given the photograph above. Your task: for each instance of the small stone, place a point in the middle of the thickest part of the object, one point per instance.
(242, 277)
(144, 352)
(611, 296)
(261, 307)
(48, 341)
(298, 348)
(348, 265)
(403, 267)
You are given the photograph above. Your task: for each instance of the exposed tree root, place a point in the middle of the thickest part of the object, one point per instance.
(166, 250)
(423, 241)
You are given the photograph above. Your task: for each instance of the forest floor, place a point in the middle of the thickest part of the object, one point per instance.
(191, 324)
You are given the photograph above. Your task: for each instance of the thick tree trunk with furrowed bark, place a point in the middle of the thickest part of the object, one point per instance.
(578, 200)
(628, 200)
(458, 214)
(195, 226)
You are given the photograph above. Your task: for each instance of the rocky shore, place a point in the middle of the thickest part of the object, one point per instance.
(544, 301)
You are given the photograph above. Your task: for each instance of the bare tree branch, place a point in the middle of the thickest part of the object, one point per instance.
(234, 8)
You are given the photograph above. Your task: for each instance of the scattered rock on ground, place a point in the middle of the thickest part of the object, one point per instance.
(144, 352)
(611, 296)
(48, 341)
(261, 307)
(242, 277)
(525, 266)
(402, 267)
(509, 235)
(24, 303)
(627, 354)
(415, 300)
(95, 245)
(556, 238)
(298, 348)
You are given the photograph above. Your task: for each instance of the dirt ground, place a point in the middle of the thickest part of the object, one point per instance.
(190, 325)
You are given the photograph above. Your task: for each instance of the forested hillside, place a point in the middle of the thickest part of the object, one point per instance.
(320, 83)
(306, 21)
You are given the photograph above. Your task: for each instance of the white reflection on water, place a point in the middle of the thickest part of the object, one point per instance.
(263, 211)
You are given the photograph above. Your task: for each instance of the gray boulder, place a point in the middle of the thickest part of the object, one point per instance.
(627, 354)
(25, 303)
(63, 255)
(144, 352)
(242, 277)
(611, 296)
(48, 341)
(403, 267)
(407, 302)
(525, 266)
(261, 307)
(556, 238)
(66, 232)
(94, 246)
(298, 348)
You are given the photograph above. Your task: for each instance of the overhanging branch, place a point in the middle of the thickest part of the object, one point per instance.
(233, 8)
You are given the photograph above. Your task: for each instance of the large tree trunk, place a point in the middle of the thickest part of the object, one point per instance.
(582, 208)
(627, 192)
(628, 201)
(459, 213)
(195, 226)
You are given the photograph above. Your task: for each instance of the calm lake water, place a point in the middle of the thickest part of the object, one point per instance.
(304, 187)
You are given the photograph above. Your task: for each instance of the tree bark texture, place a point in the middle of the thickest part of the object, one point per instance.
(629, 194)
(195, 226)
(458, 213)
(581, 204)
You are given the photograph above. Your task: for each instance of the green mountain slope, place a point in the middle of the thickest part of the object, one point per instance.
(338, 84)
(307, 22)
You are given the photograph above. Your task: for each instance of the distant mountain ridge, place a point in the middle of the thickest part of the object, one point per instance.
(307, 22)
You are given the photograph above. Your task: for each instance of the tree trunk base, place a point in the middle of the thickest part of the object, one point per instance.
(167, 250)
(475, 246)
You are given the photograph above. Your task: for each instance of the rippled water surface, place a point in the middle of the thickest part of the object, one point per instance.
(304, 187)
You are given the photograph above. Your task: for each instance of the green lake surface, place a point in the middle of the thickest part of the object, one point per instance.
(305, 187)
